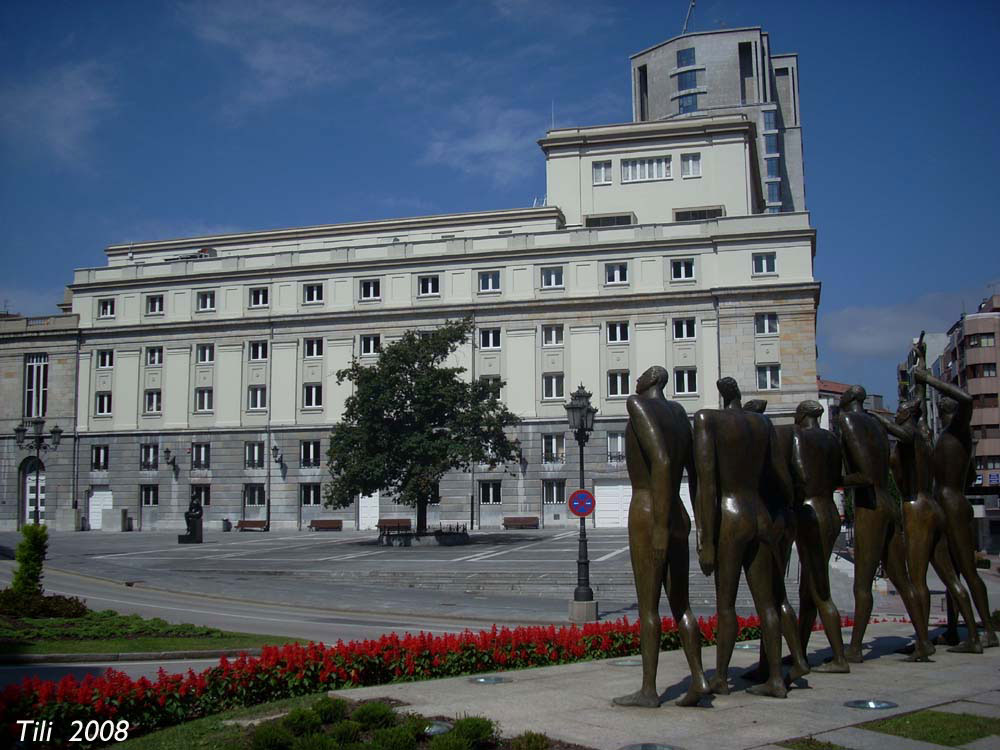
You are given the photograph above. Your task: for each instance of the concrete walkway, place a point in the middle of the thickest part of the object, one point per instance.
(573, 702)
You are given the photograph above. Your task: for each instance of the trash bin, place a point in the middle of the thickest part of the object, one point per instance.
(227, 525)
(125, 520)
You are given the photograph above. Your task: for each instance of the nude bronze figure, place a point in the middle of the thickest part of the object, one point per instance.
(658, 448)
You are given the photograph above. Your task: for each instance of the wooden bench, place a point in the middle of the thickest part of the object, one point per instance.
(326, 524)
(251, 525)
(386, 525)
(520, 522)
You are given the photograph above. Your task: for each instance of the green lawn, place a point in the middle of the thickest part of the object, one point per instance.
(225, 641)
(809, 743)
(937, 727)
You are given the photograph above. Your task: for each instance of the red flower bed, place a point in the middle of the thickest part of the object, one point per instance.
(286, 671)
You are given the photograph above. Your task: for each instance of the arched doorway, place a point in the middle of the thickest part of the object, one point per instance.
(32, 490)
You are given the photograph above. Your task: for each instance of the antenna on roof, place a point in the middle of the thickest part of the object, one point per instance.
(687, 18)
(553, 115)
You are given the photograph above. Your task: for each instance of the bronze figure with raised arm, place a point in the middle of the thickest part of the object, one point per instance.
(658, 449)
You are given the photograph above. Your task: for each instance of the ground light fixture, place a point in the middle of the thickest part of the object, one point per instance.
(435, 727)
(650, 746)
(871, 704)
(627, 663)
(746, 646)
(488, 680)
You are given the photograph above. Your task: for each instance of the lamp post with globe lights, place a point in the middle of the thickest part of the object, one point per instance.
(29, 434)
(580, 415)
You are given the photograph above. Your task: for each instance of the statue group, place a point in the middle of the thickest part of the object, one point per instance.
(758, 488)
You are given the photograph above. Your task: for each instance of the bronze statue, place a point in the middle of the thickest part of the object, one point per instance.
(192, 519)
(878, 535)
(734, 451)
(658, 448)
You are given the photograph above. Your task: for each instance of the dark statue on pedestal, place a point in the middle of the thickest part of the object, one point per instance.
(193, 520)
(658, 448)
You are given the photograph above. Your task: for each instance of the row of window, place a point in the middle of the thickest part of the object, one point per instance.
(204, 399)
(646, 169)
(987, 462)
(980, 339)
(254, 455)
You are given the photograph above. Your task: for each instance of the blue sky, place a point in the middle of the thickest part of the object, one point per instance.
(124, 121)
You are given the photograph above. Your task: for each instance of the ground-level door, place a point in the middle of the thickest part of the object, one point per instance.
(99, 501)
(34, 491)
(368, 511)
(612, 504)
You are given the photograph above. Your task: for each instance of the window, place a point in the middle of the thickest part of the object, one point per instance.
(203, 399)
(682, 269)
(309, 453)
(149, 456)
(988, 370)
(253, 494)
(618, 332)
(106, 307)
(774, 192)
(152, 401)
(371, 344)
(428, 286)
(492, 382)
(619, 220)
(771, 144)
(371, 289)
(312, 294)
(690, 165)
(616, 273)
(150, 494)
(154, 356)
(489, 281)
(764, 262)
(36, 385)
(554, 448)
(202, 493)
(552, 335)
(489, 338)
(552, 386)
(770, 119)
(105, 359)
(602, 172)
(698, 214)
(102, 404)
(552, 278)
(253, 455)
(987, 462)
(616, 447)
(618, 384)
(687, 103)
(313, 348)
(685, 57)
(774, 209)
(773, 166)
(687, 80)
(684, 329)
(259, 296)
(201, 455)
(154, 304)
(765, 323)
(768, 377)
(553, 491)
(206, 301)
(645, 170)
(310, 494)
(258, 351)
(489, 493)
(987, 339)
(685, 381)
(257, 398)
(99, 457)
(312, 396)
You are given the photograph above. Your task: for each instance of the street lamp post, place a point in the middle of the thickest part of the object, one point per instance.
(36, 442)
(580, 414)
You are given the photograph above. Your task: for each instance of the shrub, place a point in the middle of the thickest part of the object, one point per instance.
(394, 738)
(14, 604)
(330, 710)
(271, 736)
(450, 741)
(302, 721)
(345, 732)
(30, 556)
(530, 741)
(415, 724)
(476, 730)
(314, 742)
(374, 715)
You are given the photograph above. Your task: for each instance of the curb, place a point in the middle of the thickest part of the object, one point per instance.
(13, 659)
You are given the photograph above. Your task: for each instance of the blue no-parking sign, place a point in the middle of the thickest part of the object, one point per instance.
(581, 503)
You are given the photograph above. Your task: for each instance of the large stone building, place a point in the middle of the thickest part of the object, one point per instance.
(206, 366)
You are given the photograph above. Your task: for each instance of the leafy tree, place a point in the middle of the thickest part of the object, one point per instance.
(30, 555)
(411, 419)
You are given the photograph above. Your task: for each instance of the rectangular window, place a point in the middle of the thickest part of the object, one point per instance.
(205, 353)
(554, 448)
(102, 404)
(105, 359)
(687, 80)
(99, 455)
(253, 455)
(429, 286)
(685, 57)
(106, 307)
(987, 339)
(618, 332)
(36, 385)
(206, 301)
(203, 399)
(152, 402)
(371, 344)
(258, 351)
(616, 447)
(201, 455)
(370, 289)
(773, 166)
(313, 348)
(646, 170)
(552, 386)
(690, 165)
(312, 396)
(602, 172)
(489, 281)
(684, 329)
(492, 383)
(311, 494)
(618, 220)
(149, 456)
(253, 494)
(764, 263)
(618, 383)
(202, 493)
(552, 335)
(768, 377)
(698, 214)
(616, 273)
(150, 494)
(154, 356)
(489, 338)
(489, 492)
(774, 192)
(553, 491)
(259, 296)
(552, 278)
(257, 398)
(771, 144)
(687, 103)
(770, 119)
(682, 269)
(312, 294)
(154, 304)
(988, 370)
(309, 453)
(765, 323)
(685, 381)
